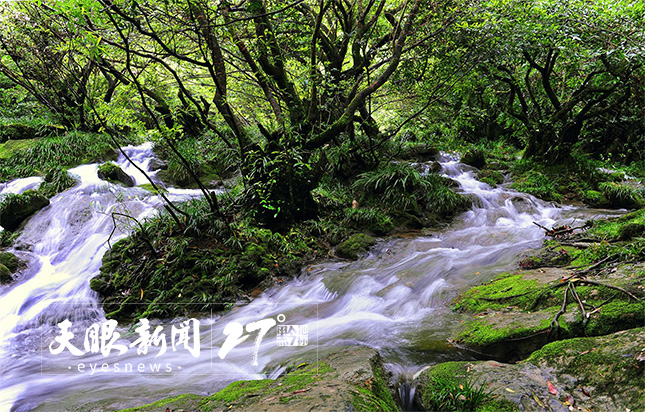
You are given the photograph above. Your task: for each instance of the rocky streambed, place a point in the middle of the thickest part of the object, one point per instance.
(539, 351)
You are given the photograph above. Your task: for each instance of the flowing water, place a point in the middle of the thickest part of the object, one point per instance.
(396, 299)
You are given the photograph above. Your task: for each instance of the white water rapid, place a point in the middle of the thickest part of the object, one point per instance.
(394, 300)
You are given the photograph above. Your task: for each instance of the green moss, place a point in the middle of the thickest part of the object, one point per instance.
(108, 168)
(595, 198)
(503, 291)
(9, 260)
(5, 275)
(491, 177)
(151, 189)
(355, 245)
(539, 185)
(605, 363)
(449, 386)
(237, 390)
(484, 332)
(617, 315)
(11, 147)
(16, 208)
(175, 401)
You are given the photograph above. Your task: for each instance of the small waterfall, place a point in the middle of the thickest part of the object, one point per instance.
(395, 300)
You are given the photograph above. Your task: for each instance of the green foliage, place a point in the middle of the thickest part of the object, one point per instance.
(56, 180)
(539, 185)
(400, 187)
(10, 260)
(371, 219)
(16, 208)
(623, 195)
(278, 187)
(69, 150)
(451, 392)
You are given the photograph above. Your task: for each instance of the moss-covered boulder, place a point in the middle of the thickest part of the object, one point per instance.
(623, 195)
(595, 198)
(475, 158)
(343, 379)
(5, 275)
(517, 313)
(631, 230)
(17, 131)
(595, 373)
(491, 177)
(356, 245)
(113, 173)
(10, 260)
(14, 209)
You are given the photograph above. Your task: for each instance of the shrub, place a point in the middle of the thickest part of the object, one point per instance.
(56, 181)
(449, 393)
(621, 195)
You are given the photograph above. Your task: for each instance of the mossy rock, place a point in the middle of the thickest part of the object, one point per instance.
(622, 195)
(354, 246)
(150, 188)
(453, 386)
(113, 173)
(599, 373)
(595, 198)
(346, 378)
(475, 158)
(631, 230)
(5, 275)
(10, 260)
(491, 177)
(608, 367)
(14, 209)
(101, 286)
(17, 131)
(513, 313)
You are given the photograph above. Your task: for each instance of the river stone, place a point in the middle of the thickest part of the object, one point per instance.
(354, 246)
(343, 379)
(113, 173)
(10, 260)
(5, 275)
(16, 208)
(607, 367)
(157, 164)
(475, 158)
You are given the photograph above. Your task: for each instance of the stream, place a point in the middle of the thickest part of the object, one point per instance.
(396, 299)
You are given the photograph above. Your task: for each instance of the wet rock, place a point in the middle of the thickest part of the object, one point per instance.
(101, 286)
(491, 177)
(10, 260)
(599, 374)
(5, 275)
(354, 246)
(514, 314)
(475, 158)
(158, 164)
(14, 209)
(113, 173)
(343, 379)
